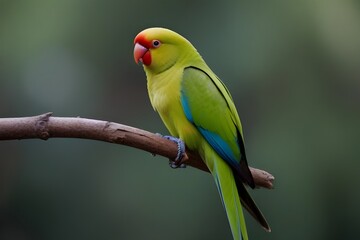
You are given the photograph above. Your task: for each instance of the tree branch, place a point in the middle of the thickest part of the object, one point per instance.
(46, 126)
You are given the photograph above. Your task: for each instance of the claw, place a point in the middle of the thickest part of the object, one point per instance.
(177, 163)
(174, 165)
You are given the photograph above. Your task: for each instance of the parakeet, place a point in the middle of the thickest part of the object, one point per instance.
(197, 108)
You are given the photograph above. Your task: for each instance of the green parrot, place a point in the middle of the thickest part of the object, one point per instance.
(198, 110)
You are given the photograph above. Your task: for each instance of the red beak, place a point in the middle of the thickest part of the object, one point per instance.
(139, 52)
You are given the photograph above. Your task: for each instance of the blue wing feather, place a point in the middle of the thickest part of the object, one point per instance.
(197, 86)
(219, 144)
(198, 90)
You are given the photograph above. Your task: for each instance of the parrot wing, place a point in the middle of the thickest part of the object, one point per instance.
(208, 105)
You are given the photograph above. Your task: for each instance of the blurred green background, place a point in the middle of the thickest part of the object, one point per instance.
(293, 68)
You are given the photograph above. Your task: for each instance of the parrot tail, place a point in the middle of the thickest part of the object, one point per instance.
(227, 188)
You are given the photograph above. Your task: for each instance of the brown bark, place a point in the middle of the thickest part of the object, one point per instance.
(46, 126)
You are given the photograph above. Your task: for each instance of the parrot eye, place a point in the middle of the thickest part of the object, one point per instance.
(156, 43)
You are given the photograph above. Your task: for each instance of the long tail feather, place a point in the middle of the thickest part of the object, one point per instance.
(249, 204)
(227, 188)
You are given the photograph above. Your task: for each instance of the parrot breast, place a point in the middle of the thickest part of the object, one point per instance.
(164, 91)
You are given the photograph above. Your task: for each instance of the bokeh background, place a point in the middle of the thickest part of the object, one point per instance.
(293, 68)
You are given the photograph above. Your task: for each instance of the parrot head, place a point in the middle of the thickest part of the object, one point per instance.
(159, 49)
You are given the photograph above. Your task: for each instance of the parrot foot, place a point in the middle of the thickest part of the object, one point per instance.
(177, 163)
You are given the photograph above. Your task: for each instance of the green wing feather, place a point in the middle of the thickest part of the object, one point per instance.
(208, 105)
